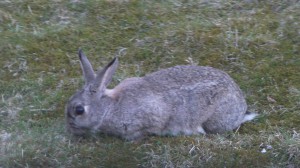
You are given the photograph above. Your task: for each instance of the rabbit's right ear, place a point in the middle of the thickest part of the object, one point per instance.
(87, 69)
(104, 76)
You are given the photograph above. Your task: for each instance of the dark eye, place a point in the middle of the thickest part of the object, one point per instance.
(79, 110)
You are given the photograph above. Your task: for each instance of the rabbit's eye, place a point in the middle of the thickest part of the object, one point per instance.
(79, 110)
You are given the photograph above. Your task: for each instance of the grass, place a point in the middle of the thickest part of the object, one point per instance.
(256, 42)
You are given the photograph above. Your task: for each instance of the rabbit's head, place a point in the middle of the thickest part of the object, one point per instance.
(86, 109)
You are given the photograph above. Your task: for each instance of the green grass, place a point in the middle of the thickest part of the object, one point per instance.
(256, 42)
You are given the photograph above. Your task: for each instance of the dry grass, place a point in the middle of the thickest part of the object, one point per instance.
(256, 42)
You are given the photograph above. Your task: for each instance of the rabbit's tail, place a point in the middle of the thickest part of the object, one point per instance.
(249, 116)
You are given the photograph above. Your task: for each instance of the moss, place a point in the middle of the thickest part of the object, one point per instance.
(233, 158)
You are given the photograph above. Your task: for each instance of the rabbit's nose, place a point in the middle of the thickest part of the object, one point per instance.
(79, 110)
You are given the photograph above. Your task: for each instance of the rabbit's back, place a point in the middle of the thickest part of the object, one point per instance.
(187, 76)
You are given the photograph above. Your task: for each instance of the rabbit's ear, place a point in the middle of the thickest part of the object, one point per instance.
(87, 69)
(104, 76)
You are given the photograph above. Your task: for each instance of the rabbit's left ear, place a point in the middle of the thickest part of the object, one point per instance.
(87, 69)
(104, 76)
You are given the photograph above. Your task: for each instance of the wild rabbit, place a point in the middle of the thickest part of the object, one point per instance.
(182, 100)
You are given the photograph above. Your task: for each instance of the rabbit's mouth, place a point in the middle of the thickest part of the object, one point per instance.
(72, 125)
(75, 129)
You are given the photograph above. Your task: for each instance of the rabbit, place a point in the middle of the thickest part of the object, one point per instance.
(181, 100)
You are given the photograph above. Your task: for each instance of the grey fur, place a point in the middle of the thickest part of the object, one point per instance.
(178, 100)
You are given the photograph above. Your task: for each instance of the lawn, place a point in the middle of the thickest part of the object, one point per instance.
(256, 42)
